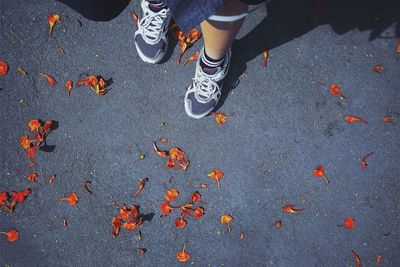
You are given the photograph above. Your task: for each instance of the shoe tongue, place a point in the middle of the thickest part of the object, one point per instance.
(210, 71)
(156, 7)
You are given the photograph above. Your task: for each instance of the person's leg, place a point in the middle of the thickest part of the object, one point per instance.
(213, 64)
(218, 36)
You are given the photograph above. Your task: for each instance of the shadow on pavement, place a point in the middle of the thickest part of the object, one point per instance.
(290, 19)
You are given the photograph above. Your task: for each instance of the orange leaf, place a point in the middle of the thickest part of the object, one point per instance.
(165, 208)
(34, 125)
(3, 68)
(320, 171)
(290, 209)
(31, 152)
(349, 223)
(335, 90)
(226, 219)
(25, 142)
(124, 212)
(12, 235)
(196, 197)
(171, 194)
(180, 223)
(352, 119)
(72, 199)
(265, 57)
(159, 152)
(193, 57)
(398, 46)
(378, 259)
(278, 224)
(142, 182)
(364, 160)
(116, 223)
(32, 177)
(69, 86)
(387, 119)
(96, 83)
(183, 256)
(198, 212)
(52, 179)
(20, 196)
(358, 259)
(51, 80)
(378, 68)
(220, 117)
(53, 19)
(217, 175)
(135, 16)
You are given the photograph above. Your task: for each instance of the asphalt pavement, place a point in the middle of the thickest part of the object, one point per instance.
(282, 124)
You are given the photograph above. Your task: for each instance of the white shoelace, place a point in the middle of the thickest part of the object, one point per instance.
(151, 25)
(206, 86)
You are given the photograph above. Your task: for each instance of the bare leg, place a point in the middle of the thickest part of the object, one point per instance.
(218, 36)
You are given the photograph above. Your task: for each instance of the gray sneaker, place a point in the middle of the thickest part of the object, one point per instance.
(204, 93)
(151, 39)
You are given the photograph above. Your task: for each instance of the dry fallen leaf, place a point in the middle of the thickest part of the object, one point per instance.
(335, 90)
(352, 119)
(349, 223)
(226, 219)
(69, 86)
(290, 209)
(217, 175)
(378, 68)
(52, 82)
(32, 177)
(3, 68)
(183, 256)
(265, 57)
(142, 183)
(358, 259)
(12, 235)
(364, 160)
(320, 172)
(53, 19)
(72, 199)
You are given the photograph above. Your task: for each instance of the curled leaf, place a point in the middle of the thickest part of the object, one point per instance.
(52, 82)
(142, 182)
(193, 57)
(69, 86)
(358, 259)
(159, 152)
(265, 57)
(290, 209)
(364, 160)
(32, 177)
(86, 186)
(53, 19)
